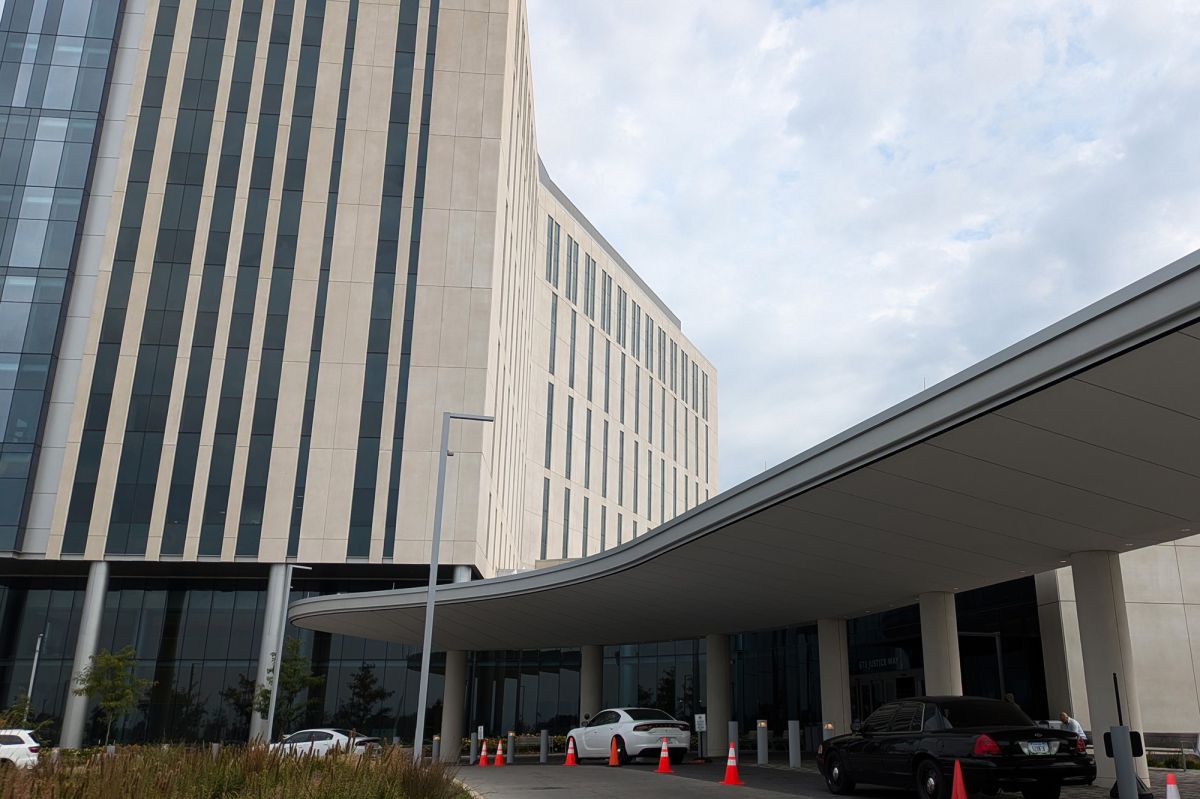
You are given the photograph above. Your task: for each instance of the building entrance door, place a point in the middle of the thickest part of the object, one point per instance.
(869, 691)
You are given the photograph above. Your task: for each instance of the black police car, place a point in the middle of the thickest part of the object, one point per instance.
(914, 743)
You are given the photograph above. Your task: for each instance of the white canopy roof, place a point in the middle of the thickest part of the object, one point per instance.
(1084, 436)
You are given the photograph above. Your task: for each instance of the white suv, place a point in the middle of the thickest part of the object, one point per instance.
(18, 748)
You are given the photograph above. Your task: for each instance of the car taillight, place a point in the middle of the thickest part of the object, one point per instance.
(644, 727)
(1080, 744)
(985, 745)
(33, 750)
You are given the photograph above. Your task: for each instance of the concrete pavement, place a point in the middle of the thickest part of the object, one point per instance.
(597, 781)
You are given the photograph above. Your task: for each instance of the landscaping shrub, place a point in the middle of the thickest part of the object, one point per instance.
(234, 773)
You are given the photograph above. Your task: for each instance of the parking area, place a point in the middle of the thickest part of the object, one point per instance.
(597, 781)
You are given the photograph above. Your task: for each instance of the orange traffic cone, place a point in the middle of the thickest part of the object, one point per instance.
(570, 761)
(731, 772)
(498, 760)
(957, 789)
(664, 760)
(614, 758)
(1172, 787)
(483, 754)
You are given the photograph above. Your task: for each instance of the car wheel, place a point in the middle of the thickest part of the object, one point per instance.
(1042, 791)
(676, 756)
(836, 777)
(931, 782)
(622, 756)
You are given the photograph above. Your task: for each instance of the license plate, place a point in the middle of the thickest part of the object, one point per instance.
(1039, 748)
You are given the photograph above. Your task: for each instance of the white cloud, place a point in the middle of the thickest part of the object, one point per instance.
(845, 201)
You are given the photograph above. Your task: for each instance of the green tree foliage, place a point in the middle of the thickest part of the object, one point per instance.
(362, 709)
(295, 678)
(109, 680)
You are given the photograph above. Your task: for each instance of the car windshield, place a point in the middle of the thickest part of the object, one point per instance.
(982, 713)
(647, 714)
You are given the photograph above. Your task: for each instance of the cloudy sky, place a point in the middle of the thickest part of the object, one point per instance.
(845, 201)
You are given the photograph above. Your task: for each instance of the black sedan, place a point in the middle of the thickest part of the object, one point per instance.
(914, 743)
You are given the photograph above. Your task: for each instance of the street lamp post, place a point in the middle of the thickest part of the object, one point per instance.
(37, 651)
(279, 639)
(427, 642)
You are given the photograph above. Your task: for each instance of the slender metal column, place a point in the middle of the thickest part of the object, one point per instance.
(435, 546)
(75, 713)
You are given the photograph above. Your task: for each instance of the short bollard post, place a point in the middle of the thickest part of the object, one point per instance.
(761, 736)
(474, 751)
(544, 749)
(512, 747)
(216, 750)
(436, 751)
(793, 744)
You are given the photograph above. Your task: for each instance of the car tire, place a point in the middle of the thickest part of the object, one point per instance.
(676, 756)
(931, 781)
(622, 755)
(837, 779)
(1042, 791)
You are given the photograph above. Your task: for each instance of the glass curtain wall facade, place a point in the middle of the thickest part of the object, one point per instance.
(55, 56)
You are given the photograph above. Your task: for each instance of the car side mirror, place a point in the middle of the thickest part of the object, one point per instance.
(587, 717)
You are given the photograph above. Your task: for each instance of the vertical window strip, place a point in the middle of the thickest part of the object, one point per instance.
(570, 434)
(568, 285)
(170, 273)
(212, 282)
(695, 385)
(649, 409)
(674, 354)
(619, 520)
(662, 490)
(620, 467)
(571, 352)
(704, 400)
(366, 462)
(636, 464)
(566, 521)
(545, 515)
(603, 526)
(554, 249)
(604, 462)
(549, 423)
(662, 354)
(553, 331)
(662, 419)
(314, 356)
(233, 378)
(607, 374)
(649, 483)
(408, 31)
(279, 297)
(587, 449)
(549, 247)
(648, 357)
(637, 397)
(583, 550)
(591, 370)
(674, 429)
(683, 376)
(621, 395)
(83, 490)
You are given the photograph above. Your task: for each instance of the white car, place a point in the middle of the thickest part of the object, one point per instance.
(18, 748)
(637, 731)
(320, 742)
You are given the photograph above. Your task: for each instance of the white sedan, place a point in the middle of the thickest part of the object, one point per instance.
(320, 742)
(18, 748)
(637, 731)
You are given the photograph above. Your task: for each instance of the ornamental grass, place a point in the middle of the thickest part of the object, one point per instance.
(138, 772)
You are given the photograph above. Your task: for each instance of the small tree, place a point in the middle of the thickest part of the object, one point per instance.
(360, 710)
(109, 679)
(295, 677)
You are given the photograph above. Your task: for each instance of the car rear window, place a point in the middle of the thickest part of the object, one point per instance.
(648, 714)
(982, 713)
